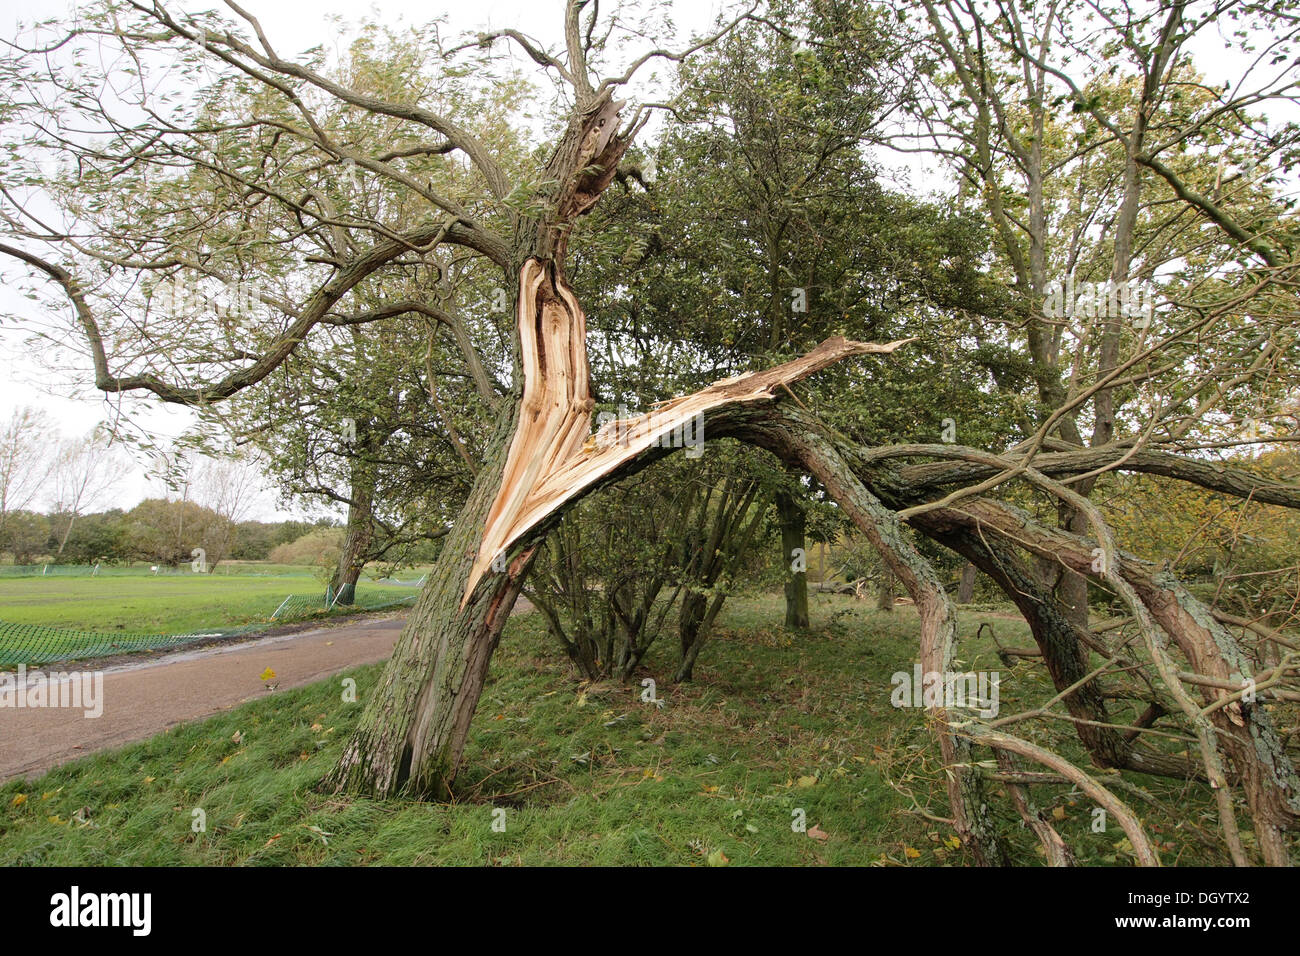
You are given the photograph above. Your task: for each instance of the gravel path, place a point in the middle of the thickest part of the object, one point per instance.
(144, 698)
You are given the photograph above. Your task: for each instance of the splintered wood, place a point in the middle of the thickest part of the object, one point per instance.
(553, 456)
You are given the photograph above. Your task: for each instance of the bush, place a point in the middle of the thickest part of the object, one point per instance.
(313, 548)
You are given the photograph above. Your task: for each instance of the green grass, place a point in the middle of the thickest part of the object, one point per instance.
(588, 774)
(143, 603)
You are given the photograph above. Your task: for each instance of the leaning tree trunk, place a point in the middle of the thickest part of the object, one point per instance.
(540, 462)
(813, 450)
(414, 727)
(794, 555)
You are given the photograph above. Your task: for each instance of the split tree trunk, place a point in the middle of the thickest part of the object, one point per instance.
(539, 463)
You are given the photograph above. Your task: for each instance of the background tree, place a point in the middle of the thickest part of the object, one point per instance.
(85, 472)
(24, 461)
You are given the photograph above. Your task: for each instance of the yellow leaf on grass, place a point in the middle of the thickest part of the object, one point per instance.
(19, 800)
(910, 853)
(1058, 813)
(809, 781)
(952, 842)
(150, 779)
(717, 858)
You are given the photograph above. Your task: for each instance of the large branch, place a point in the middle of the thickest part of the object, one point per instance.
(313, 312)
(1208, 474)
(553, 458)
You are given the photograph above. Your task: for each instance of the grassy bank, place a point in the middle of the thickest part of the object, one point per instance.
(776, 723)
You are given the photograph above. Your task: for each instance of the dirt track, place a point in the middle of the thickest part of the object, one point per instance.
(142, 699)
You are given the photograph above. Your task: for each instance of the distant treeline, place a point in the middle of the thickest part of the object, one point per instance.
(156, 530)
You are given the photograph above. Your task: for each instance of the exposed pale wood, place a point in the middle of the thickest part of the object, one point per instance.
(553, 457)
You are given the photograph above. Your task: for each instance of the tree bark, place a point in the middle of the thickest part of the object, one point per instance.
(793, 521)
(414, 727)
(966, 586)
(689, 621)
(885, 590)
(359, 534)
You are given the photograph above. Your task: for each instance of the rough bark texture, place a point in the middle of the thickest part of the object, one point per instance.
(966, 586)
(414, 727)
(792, 520)
(1063, 647)
(360, 532)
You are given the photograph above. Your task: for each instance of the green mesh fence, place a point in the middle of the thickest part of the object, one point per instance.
(39, 644)
(133, 570)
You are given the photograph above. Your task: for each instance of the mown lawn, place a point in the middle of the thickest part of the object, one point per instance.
(142, 603)
(775, 723)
